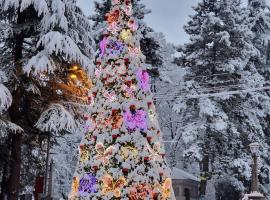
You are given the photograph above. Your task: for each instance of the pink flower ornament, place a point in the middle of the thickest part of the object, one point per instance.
(102, 45)
(115, 2)
(135, 120)
(128, 10)
(144, 80)
(114, 28)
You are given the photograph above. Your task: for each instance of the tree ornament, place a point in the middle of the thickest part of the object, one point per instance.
(116, 119)
(84, 153)
(110, 96)
(88, 185)
(144, 79)
(129, 151)
(102, 46)
(114, 28)
(74, 187)
(134, 52)
(139, 192)
(90, 99)
(125, 171)
(128, 10)
(115, 47)
(165, 189)
(109, 185)
(129, 91)
(154, 152)
(132, 24)
(114, 2)
(151, 114)
(121, 70)
(125, 34)
(104, 154)
(135, 120)
(113, 16)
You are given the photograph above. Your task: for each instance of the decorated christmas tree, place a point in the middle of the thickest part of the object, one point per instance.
(121, 155)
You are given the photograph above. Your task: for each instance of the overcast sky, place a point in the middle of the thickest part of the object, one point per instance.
(168, 16)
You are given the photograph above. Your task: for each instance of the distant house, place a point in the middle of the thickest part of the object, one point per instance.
(185, 185)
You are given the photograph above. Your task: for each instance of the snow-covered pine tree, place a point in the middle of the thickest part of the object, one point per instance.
(219, 128)
(18, 24)
(46, 55)
(121, 155)
(258, 19)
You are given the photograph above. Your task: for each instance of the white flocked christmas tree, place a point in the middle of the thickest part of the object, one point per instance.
(121, 155)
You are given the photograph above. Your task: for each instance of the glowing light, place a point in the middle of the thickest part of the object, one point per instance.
(74, 68)
(73, 76)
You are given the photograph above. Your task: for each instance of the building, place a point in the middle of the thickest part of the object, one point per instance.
(185, 185)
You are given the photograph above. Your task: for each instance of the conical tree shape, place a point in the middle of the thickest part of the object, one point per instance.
(121, 155)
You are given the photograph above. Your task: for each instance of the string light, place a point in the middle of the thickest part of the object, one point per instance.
(73, 76)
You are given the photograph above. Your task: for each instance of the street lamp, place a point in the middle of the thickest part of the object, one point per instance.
(255, 194)
(254, 148)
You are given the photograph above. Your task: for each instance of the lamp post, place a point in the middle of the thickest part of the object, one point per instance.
(254, 147)
(254, 193)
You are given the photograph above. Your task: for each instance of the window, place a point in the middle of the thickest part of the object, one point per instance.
(187, 194)
(176, 191)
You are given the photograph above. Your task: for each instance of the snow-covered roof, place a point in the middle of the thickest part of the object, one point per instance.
(182, 175)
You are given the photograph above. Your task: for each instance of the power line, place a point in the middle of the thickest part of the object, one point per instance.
(211, 89)
(197, 96)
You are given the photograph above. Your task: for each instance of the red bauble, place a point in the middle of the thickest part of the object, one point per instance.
(95, 168)
(149, 139)
(94, 138)
(125, 170)
(162, 154)
(146, 158)
(114, 136)
(85, 118)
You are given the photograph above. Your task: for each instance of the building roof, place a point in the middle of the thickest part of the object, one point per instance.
(180, 174)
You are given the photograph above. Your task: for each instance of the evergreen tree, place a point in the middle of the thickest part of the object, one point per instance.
(46, 55)
(219, 128)
(121, 155)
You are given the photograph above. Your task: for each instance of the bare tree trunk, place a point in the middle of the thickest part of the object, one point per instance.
(5, 174)
(15, 167)
(15, 115)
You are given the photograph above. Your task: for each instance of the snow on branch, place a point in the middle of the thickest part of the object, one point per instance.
(40, 5)
(7, 126)
(5, 98)
(40, 63)
(55, 43)
(56, 119)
